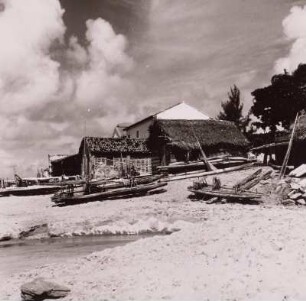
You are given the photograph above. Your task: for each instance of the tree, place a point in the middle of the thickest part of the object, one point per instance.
(232, 108)
(278, 103)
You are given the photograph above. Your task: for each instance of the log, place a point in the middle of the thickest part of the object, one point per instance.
(209, 173)
(247, 179)
(255, 181)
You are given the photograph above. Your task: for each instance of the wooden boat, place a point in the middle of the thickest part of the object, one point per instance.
(103, 195)
(103, 185)
(220, 162)
(227, 193)
(30, 190)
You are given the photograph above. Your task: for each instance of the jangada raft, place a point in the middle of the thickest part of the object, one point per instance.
(30, 190)
(69, 195)
(239, 192)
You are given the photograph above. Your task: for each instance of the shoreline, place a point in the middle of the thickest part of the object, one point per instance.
(219, 251)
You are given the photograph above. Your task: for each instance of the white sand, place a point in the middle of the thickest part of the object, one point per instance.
(223, 252)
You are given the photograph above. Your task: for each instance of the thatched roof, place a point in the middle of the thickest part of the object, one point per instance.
(100, 146)
(183, 134)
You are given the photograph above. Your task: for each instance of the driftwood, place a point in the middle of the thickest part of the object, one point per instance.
(247, 179)
(209, 173)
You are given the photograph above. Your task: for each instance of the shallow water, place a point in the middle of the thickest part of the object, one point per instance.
(21, 255)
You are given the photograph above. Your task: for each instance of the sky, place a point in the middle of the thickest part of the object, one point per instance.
(70, 68)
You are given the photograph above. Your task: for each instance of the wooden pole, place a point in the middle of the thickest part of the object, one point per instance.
(286, 159)
(209, 166)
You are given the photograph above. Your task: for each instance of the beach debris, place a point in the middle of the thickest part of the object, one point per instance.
(40, 289)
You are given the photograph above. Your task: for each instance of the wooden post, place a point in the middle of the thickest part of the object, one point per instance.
(286, 159)
(209, 166)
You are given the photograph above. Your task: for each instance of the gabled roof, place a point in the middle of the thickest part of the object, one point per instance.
(179, 111)
(119, 130)
(184, 134)
(98, 145)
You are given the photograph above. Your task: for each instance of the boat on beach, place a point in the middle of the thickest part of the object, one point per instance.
(70, 197)
(29, 190)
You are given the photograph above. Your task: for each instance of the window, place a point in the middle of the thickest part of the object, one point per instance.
(137, 134)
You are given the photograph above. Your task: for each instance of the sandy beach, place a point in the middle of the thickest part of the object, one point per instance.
(215, 252)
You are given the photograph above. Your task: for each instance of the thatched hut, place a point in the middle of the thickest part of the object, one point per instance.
(178, 140)
(69, 165)
(108, 157)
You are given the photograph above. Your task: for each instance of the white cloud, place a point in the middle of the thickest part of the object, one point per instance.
(295, 29)
(46, 86)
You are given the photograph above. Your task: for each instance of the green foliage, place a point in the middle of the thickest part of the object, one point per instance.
(232, 108)
(278, 103)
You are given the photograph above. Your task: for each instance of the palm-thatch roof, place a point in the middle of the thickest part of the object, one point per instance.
(100, 146)
(211, 134)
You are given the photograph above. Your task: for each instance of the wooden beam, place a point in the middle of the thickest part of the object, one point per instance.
(269, 145)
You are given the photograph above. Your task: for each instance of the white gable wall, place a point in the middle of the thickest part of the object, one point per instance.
(182, 111)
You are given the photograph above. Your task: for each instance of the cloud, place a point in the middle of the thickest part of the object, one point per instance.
(49, 87)
(294, 26)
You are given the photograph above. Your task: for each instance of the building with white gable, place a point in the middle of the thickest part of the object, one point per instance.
(180, 111)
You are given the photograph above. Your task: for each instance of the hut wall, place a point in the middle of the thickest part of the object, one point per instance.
(69, 166)
(107, 166)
